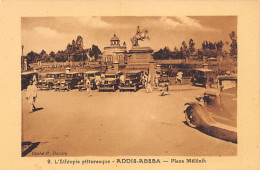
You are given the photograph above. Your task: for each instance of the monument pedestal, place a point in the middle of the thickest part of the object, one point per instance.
(139, 58)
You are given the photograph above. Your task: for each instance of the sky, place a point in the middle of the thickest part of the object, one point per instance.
(54, 33)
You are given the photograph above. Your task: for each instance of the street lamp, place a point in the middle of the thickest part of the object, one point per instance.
(22, 49)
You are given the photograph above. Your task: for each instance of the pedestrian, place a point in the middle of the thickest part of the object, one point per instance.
(149, 87)
(156, 80)
(31, 95)
(179, 77)
(34, 79)
(88, 87)
(145, 80)
(122, 78)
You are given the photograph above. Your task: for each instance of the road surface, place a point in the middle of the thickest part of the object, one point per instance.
(116, 124)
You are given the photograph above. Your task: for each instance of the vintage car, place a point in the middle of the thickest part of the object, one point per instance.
(68, 81)
(93, 76)
(26, 77)
(110, 81)
(215, 112)
(203, 77)
(49, 81)
(133, 81)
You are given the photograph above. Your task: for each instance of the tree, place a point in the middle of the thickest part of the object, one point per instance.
(61, 56)
(191, 46)
(94, 52)
(43, 52)
(185, 50)
(52, 54)
(32, 57)
(233, 45)
(219, 46)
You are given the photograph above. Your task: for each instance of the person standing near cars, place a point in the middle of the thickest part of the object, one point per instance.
(179, 77)
(31, 95)
(88, 87)
(149, 86)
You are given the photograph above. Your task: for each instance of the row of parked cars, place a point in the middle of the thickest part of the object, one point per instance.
(77, 80)
(110, 80)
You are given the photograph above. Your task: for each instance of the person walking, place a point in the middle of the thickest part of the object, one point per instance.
(31, 95)
(88, 87)
(156, 80)
(149, 86)
(179, 77)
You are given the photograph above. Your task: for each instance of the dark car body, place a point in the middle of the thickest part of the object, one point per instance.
(202, 77)
(133, 80)
(68, 81)
(216, 111)
(92, 76)
(26, 77)
(49, 81)
(111, 81)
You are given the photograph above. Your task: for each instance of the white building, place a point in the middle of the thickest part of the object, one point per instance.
(114, 52)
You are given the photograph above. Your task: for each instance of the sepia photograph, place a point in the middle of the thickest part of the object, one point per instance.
(129, 86)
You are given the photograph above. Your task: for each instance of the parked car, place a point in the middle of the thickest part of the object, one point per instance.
(93, 76)
(49, 81)
(133, 81)
(110, 81)
(215, 112)
(26, 77)
(68, 81)
(203, 77)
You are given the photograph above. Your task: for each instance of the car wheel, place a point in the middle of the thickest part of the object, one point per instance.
(190, 119)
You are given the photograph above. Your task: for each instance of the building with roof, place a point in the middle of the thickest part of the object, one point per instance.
(115, 52)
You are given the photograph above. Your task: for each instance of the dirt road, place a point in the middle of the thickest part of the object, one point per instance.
(116, 123)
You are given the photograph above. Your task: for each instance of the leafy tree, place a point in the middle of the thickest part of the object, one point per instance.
(185, 50)
(94, 52)
(52, 54)
(32, 57)
(61, 56)
(233, 45)
(191, 46)
(219, 45)
(43, 52)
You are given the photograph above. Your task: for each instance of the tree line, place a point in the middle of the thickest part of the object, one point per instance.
(74, 52)
(208, 49)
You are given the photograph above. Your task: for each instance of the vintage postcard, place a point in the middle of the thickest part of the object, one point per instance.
(130, 85)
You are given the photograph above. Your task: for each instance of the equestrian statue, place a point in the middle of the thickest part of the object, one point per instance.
(140, 35)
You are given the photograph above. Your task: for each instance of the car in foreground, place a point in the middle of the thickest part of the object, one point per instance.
(133, 81)
(110, 81)
(215, 112)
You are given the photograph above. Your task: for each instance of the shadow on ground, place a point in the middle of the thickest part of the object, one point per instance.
(37, 109)
(214, 132)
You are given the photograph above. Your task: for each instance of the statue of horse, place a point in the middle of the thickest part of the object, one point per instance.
(140, 36)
